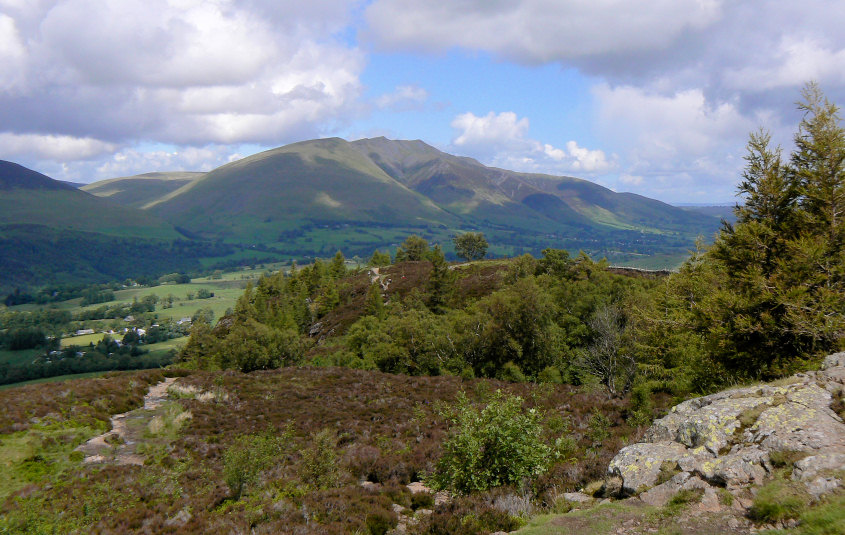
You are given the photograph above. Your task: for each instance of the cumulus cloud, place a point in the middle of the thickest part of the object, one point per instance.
(177, 71)
(50, 147)
(675, 141)
(404, 98)
(130, 161)
(500, 139)
(536, 31)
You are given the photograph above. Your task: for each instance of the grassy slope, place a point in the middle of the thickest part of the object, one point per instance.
(78, 211)
(407, 185)
(141, 190)
(257, 197)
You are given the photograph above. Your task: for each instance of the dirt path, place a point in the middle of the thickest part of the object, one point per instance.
(98, 449)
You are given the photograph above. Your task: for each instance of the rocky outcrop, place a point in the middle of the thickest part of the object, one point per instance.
(730, 440)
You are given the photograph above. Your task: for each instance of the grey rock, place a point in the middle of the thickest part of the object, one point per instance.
(725, 439)
(576, 497)
(179, 519)
(639, 464)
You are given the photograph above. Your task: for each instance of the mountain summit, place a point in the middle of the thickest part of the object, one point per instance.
(381, 183)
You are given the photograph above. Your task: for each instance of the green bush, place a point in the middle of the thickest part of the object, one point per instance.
(550, 374)
(379, 523)
(319, 461)
(511, 372)
(246, 458)
(499, 444)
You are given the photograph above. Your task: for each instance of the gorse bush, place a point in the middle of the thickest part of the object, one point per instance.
(496, 445)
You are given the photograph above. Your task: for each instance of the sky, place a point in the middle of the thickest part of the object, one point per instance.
(654, 97)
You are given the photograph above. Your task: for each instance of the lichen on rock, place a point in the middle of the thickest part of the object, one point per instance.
(726, 439)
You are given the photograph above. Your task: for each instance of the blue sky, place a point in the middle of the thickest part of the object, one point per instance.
(657, 97)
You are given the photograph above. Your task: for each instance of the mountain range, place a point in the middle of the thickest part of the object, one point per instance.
(314, 197)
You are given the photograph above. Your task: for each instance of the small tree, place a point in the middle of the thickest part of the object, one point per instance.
(379, 259)
(374, 304)
(319, 461)
(470, 246)
(337, 268)
(499, 444)
(605, 357)
(247, 457)
(439, 280)
(413, 249)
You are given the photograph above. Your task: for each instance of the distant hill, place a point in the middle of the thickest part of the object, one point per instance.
(141, 190)
(52, 232)
(355, 190)
(722, 211)
(17, 177)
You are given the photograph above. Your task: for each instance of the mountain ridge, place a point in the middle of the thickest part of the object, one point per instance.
(407, 182)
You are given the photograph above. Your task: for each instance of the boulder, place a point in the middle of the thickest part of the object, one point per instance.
(727, 439)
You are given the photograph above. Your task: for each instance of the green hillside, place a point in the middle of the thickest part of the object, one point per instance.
(318, 181)
(302, 198)
(28, 197)
(140, 191)
(53, 233)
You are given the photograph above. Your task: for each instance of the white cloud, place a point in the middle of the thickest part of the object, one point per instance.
(675, 141)
(12, 53)
(49, 147)
(403, 98)
(630, 180)
(536, 31)
(501, 140)
(796, 59)
(177, 71)
(129, 161)
(491, 132)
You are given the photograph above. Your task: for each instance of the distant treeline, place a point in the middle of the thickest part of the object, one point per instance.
(38, 256)
(107, 355)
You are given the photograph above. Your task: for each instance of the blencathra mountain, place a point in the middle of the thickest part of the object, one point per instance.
(283, 197)
(311, 199)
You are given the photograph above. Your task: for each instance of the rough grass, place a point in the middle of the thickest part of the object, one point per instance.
(779, 500)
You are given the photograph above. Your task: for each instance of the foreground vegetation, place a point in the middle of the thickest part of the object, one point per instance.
(287, 450)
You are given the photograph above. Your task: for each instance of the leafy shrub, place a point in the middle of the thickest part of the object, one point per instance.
(319, 461)
(599, 425)
(550, 375)
(497, 445)
(422, 500)
(511, 372)
(246, 458)
(379, 523)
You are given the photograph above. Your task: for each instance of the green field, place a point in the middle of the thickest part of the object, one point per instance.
(226, 291)
(16, 358)
(82, 340)
(57, 379)
(173, 343)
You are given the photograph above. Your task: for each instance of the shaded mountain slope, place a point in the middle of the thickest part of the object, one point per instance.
(31, 198)
(53, 233)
